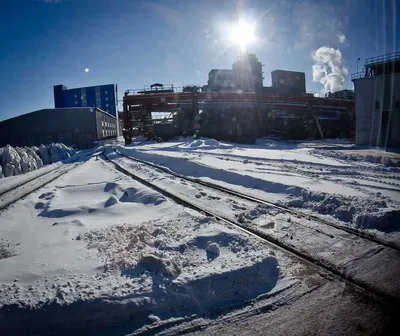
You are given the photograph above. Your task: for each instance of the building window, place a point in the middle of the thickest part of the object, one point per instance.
(397, 104)
(377, 105)
(106, 92)
(106, 98)
(385, 118)
(76, 103)
(106, 105)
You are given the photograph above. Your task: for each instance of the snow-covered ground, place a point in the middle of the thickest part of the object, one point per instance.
(95, 236)
(94, 248)
(313, 177)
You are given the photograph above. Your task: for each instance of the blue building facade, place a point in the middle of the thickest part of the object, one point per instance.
(103, 97)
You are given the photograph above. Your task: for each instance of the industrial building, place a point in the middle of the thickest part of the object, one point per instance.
(246, 75)
(377, 101)
(342, 94)
(288, 82)
(235, 106)
(79, 126)
(103, 97)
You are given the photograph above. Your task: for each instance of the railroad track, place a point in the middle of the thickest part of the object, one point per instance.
(17, 191)
(280, 207)
(326, 269)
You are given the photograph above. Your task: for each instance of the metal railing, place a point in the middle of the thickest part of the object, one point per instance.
(170, 87)
(392, 57)
(358, 75)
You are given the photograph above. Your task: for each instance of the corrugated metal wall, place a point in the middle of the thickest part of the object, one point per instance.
(72, 126)
(106, 125)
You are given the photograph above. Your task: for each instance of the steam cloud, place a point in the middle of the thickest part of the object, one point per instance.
(329, 69)
(341, 37)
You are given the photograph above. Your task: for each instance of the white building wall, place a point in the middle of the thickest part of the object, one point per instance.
(374, 98)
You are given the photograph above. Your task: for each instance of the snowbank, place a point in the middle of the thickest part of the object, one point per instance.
(17, 161)
(371, 156)
(200, 143)
(366, 213)
(208, 266)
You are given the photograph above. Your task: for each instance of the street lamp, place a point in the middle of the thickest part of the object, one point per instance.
(357, 63)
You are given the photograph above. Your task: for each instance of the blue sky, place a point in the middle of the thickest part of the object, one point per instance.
(135, 43)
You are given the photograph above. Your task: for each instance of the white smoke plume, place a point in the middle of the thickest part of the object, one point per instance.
(329, 69)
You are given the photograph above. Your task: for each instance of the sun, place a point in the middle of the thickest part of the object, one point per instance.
(242, 34)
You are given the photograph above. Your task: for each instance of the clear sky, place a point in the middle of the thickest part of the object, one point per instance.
(135, 43)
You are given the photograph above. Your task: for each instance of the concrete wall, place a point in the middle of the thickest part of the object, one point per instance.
(72, 126)
(377, 118)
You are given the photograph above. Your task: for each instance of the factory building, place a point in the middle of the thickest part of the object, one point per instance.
(342, 94)
(288, 82)
(249, 73)
(103, 97)
(377, 102)
(79, 126)
(235, 106)
(246, 75)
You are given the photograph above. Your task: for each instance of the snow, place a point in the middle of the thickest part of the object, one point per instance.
(17, 161)
(203, 144)
(101, 248)
(327, 178)
(10, 161)
(387, 159)
(213, 248)
(94, 233)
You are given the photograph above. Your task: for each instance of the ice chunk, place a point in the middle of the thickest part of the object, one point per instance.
(44, 154)
(10, 155)
(8, 170)
(213, 248)
(26, 164)
(156, 265)
(58, 152)
(34, 157)
(11, 161)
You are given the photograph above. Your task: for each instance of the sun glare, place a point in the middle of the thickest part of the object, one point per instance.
(242, 34)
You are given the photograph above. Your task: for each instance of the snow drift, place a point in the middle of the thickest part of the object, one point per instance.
(382, 158)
